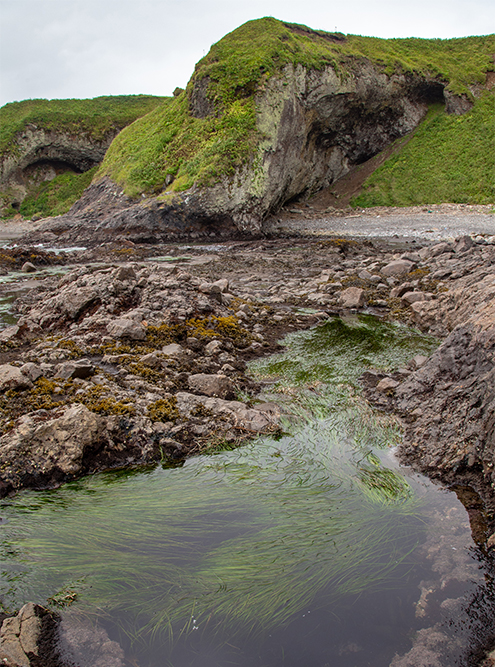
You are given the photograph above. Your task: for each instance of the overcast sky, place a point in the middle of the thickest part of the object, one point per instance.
(86, 48)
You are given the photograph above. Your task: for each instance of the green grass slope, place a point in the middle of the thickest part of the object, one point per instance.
(449, 159)
(170, 145)
(94, 117)
(57, 196)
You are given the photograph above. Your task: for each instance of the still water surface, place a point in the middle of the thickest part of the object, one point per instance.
(310, 549)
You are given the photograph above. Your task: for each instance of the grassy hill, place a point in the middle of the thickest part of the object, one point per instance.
(94, 117)
(170, 142)
(168, 148)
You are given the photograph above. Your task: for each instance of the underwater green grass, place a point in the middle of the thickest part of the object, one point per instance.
(236, 543)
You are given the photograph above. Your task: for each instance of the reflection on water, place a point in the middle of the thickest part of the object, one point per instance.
(314, 549)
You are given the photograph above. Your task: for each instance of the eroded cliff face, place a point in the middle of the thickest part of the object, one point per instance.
(313, 127)
(41, 154)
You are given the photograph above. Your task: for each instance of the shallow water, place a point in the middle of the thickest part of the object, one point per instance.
(310, 549)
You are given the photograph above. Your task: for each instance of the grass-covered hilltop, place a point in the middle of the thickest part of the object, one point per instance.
(277, 111)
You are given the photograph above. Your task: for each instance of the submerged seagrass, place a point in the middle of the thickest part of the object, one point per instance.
(240, 542)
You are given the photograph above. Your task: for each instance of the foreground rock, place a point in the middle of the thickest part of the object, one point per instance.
(37, 637)
(29, 639)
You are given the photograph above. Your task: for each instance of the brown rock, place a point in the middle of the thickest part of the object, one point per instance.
(398, 267)
(12, 378)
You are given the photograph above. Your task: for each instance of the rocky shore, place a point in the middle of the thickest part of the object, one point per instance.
(123, 363)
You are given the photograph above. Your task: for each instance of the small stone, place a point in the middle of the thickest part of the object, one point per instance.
(223, 284)
(418, 361)
(387, 384)
(28, 267)
(173, 350)
(352, 297)
(213, 347)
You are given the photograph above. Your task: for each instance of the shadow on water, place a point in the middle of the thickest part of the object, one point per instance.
(310, 549)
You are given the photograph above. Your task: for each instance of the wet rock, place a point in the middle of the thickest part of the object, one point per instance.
(211, 385)
(29, 638)
(398, 267)
(47, 448)
(352, 297)
(11, 377)
(87, 645)
(126, 328)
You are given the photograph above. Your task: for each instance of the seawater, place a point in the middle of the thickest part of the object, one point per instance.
(311, 548)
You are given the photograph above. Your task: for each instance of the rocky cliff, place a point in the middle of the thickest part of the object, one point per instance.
(40, 139)
(274, 111)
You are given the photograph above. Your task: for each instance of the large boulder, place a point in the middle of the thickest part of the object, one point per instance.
(47, 448)
(29, 638)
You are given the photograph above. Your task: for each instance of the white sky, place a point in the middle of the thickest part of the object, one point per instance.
(86, 48)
